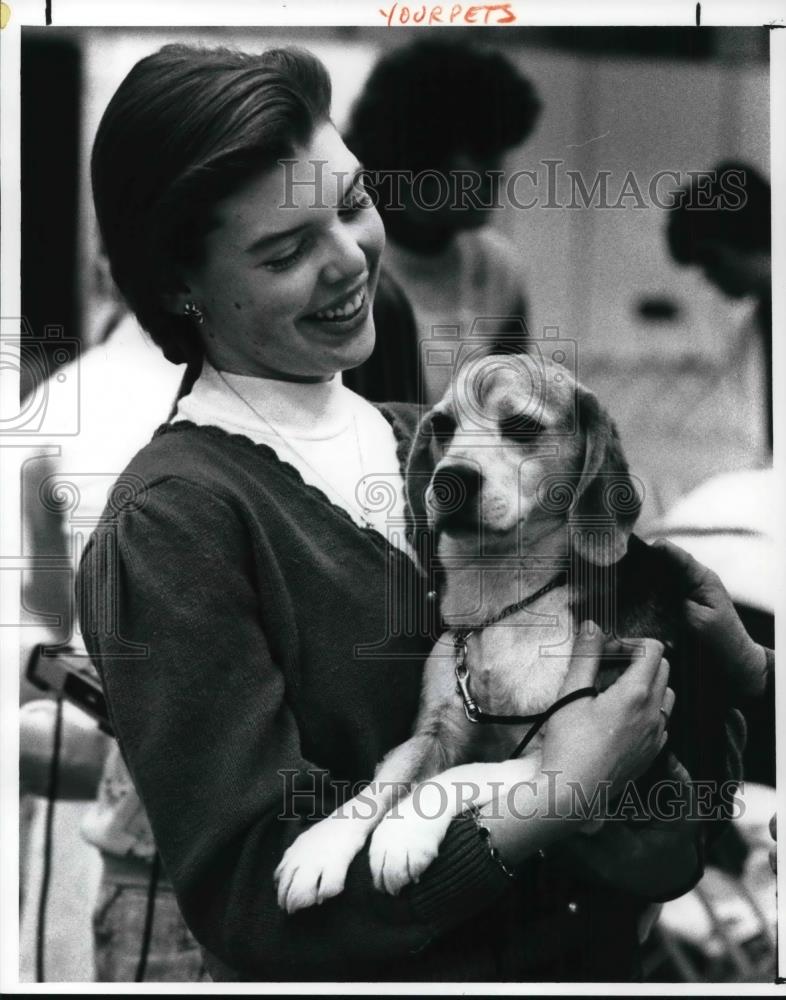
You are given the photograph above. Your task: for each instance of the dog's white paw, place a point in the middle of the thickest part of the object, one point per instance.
(314, 867)
(402, 848)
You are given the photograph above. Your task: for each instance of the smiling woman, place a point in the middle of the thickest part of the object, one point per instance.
(290, 302)
(251, 600)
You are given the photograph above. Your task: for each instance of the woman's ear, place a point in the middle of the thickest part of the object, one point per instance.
(180, 291)
(175, 301)
(608, 503)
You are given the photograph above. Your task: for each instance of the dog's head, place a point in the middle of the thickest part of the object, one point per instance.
(515, 447)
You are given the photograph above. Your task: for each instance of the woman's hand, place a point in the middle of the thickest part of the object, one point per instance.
(614, 737)
(711, 614)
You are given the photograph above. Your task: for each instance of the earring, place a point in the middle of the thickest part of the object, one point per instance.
(192, 310)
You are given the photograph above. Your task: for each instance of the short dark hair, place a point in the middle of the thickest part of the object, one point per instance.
(431, 99)
(186, 128)
(742, 223)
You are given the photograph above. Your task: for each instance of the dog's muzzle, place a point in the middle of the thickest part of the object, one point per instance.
(453, 496)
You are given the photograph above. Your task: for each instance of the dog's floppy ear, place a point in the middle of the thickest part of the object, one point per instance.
(421, 461)
(608, 503)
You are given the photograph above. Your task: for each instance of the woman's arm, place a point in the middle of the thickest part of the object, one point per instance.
(656, 860)
(591, 747)
(200, 709)
(201, 712)
(660, 852)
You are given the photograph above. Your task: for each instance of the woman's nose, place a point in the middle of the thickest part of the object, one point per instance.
(346, 256)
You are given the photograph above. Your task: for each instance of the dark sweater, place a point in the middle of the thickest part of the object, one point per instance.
(240, 624)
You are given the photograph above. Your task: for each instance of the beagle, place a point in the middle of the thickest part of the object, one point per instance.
(518, 477)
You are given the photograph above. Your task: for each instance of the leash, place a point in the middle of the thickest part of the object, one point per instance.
(472, 710)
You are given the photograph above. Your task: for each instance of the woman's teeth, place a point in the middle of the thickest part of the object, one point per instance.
(347, 310)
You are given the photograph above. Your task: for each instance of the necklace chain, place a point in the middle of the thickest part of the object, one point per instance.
(288, 444)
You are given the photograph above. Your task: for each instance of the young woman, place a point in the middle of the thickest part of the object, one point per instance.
(250, 596)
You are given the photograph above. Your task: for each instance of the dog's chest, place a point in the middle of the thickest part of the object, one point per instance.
(518, 665)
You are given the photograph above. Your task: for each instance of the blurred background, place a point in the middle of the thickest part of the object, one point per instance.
(661, 346)
(656, 341)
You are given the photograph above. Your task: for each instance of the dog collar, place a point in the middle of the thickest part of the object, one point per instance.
(463, 632)
(472, 710)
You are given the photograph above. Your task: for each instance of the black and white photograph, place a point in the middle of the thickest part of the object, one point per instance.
(391, 538)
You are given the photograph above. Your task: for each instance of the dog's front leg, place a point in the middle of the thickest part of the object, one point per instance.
(314, 867)
(408, 838)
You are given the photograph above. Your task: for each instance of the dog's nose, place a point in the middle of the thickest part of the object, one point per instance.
(454, 491)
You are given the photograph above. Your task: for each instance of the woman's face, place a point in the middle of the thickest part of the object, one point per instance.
(289, 273)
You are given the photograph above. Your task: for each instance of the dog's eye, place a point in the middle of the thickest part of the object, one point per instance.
(442, 426)
(520, 425)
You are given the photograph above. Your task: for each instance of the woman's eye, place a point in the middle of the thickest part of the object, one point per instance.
(520, 425)
(288, 260)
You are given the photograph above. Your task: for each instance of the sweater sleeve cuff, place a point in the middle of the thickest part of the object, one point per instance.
(464, 878)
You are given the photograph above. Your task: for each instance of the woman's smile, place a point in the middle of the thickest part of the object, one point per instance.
(344, 313)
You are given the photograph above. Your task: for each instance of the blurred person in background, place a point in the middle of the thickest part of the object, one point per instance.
(722, 225)
(432, 126)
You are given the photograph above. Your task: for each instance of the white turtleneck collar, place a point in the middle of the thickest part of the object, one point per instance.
(338, 441)
(304, 410)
